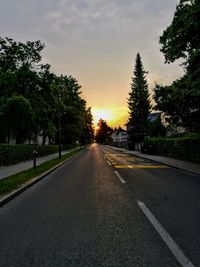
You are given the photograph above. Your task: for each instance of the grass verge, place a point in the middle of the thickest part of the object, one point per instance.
(15, 181)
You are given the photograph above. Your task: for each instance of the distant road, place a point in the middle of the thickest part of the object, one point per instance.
(96, 210)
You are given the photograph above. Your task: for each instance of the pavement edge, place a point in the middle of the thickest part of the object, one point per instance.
(5, 199)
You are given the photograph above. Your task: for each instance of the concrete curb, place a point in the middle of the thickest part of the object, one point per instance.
(6, 198)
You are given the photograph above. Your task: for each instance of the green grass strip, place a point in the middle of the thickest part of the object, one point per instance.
(15, 181)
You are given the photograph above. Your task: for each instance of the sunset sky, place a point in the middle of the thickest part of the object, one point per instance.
(96, 41)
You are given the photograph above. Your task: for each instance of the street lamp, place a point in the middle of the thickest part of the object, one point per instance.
(59, 123)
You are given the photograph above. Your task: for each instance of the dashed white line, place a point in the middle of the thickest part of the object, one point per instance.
(109, 162)
(120, 177)
(177, 252)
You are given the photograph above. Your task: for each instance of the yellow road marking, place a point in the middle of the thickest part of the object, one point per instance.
(107, 157)
(112, 161)
(140, 166)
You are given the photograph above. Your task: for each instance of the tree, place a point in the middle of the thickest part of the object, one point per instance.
(44, 102)
(103, 132)
(19, 64)
(17, 118)
(23, 75)
(182, 38)
(73, 109)
(180, 101)
(88, 129)
(138, 102)
(156, 128)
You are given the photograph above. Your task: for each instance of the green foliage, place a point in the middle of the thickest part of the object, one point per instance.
(88, 130)
(11, 154)
(44, 102)
(181, 100)
(14, 55)
(16, 117)
(156, 128)
(76, 119)
(19, 64)
(103, 132)
(138, 102)
(182, 37)
(22, 75)
(183, 148)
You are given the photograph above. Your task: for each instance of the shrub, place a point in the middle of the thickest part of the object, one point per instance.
(184, 148)
(11, 154)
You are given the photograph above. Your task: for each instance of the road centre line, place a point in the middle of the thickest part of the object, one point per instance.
(120, 177)
(175, 249)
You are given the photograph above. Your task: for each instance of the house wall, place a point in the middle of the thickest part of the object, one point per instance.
(119, 139)
(12, 141)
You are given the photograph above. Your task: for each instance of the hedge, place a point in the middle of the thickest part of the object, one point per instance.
(11, 154)
(184, 148)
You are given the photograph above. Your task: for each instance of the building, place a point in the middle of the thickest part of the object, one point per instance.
(154, 116)
(119, 138)
(39, 141)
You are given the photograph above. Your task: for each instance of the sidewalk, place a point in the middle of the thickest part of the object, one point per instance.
(6, 171)
(180, 164)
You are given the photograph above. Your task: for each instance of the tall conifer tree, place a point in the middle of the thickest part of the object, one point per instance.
(138, 102)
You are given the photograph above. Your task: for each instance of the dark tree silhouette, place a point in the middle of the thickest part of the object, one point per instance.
(103, 132)
(31, 95)
(138, 102)
(181, 40)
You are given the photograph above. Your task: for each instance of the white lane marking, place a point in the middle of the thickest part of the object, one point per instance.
(108, 162)
(177, 252)
(120, 177)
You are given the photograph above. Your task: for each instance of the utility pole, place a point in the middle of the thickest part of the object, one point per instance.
(59, 124)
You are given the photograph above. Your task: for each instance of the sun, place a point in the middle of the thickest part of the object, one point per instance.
(114, 116)
(102, 113)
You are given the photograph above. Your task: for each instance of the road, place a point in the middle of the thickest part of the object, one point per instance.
(91, 212)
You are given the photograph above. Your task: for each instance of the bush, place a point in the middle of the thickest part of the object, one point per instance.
(11, 154)
(184, 148)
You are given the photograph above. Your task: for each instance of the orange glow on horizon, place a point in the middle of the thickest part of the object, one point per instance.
(113, 116)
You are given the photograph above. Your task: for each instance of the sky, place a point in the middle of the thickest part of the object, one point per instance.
(96, 41)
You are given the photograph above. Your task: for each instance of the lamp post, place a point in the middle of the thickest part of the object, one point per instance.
(59, 125)
(35, 153)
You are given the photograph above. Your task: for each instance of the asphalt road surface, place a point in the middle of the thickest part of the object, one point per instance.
(104, 208)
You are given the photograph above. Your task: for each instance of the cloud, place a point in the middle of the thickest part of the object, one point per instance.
(95, 40)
